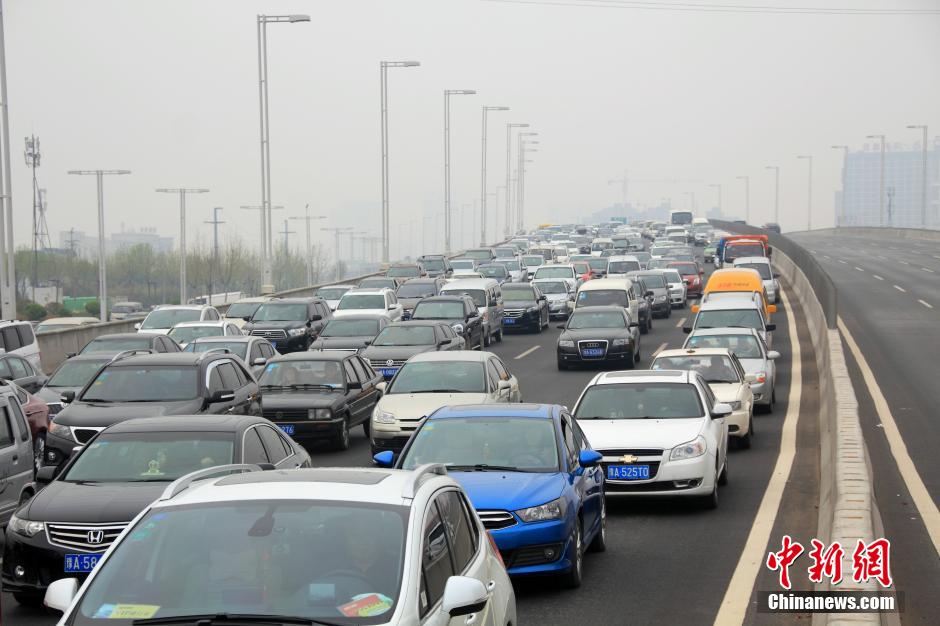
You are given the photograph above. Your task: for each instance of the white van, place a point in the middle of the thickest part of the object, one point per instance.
(488, 297)
(17, 337)
(610, 291)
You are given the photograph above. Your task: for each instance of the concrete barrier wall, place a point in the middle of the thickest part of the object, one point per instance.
(56, 345)
(900, 233)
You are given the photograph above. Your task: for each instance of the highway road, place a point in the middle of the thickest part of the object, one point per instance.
(889, 301)
(666, 562)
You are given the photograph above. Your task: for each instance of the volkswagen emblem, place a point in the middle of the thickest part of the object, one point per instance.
(390, 363)
(95, 536)
(628, 458)
(278, 415)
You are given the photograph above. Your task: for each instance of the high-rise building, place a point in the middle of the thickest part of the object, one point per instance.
(903, 187)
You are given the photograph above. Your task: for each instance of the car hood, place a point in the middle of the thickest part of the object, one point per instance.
(347, 312)
(556, 297)
(415, 405)
(409, 303)
(341, 343)
(598, 334)
(80, 414)
(92, 502)
(510, 491)
(276, 400)
(280, 325)
(515, 306)
(725, 392)
(636, 433)
(383, 353)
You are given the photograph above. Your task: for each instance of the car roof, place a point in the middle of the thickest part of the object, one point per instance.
(456, 297)
(165, 358)
(642, 376)
(622, 257)
(469, 356)
(470, 283)
(702, 332)
(227, 339)
(252, 300)
(103, 357)
(349, 285)
(294, 300)
(407, 323)
(694, 351)
(182, 423)
(751, 259)
(421, 281)
(313, 355)
(607, 283)
(607, 308)
(368, 291)
(544, 411)
(190, 307)
(358, 316)
(731, 304)
(123, 336)
(210, 323)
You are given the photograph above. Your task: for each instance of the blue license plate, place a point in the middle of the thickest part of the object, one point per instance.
(81, 563)
(274, 344)
(628, 472)
(509, 320)
(287, 428)
(388, 372)
(592, 352)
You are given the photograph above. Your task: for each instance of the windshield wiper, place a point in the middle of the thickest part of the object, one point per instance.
(232, 618)
(441, 391)
(483, 467)
(310, 386)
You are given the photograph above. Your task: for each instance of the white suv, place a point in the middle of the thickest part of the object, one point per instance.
(347, 545)
(164, 317)
(18, 338)
(381, 301)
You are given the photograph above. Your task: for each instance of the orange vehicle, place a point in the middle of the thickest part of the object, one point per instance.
(734, 246)
(737, 280)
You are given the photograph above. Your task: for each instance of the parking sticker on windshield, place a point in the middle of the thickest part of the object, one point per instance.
(366, 605)
(126, 611)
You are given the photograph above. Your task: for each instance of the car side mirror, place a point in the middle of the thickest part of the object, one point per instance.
(561, 326)
(770, 327)
(720, 410)
(247, 318)
(391, 307)
(772, 308)
(686, 329)
(260, 361)
(316, 317)
(223, 395)
(46, 474)
(443, 342)
(543, 298)
(67, 397)
(773, 354)
(634, 325)
(384, 459)
(503, 385)
(70, 355)
(463, 596)
(136, 327)
(60, 594)
(589, 458)
(701, 272)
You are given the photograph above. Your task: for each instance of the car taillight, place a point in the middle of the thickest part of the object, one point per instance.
(761, 377)
(495, 548)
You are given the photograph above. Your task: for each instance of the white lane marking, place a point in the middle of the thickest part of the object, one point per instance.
(843, 262)
(926, 304)
(927, 269)
(859, 269)
(901, 289)
(877, 277)
(527, 352)
(936, 256)
(660, 349)
(738, 595)
(903, 262)
(680, 323)
(912, 480)
(827, 256)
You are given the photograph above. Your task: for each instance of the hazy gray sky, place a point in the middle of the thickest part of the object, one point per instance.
(168, 89)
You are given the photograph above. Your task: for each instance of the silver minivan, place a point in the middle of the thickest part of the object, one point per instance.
(16, 454)
(488, 297)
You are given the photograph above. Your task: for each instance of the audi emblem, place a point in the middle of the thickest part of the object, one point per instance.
(95, 536)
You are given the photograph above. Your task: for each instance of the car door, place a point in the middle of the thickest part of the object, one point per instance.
(231, 380)
(368, 379)
(594, 476)
(16, 459)
(718, 426)
(515, 395)
(354, 394)
(582, 480)
(25, 376)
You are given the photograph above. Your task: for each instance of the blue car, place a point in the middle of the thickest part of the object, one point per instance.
(530, 474)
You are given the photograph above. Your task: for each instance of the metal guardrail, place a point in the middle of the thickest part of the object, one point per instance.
(825, 289)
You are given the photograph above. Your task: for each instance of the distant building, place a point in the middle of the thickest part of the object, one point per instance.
(903, 187)
(87, 247)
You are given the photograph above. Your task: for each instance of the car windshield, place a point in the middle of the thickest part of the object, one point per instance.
(640, 401)
(352, 301)
(477, 295)
(168, 318)
(185, 334)
(378, 283)
(511, 264)
(597, 246)
(505, 251)
(331, 293)
(405, 336)
(642, 256)
(150, 456)
(438, 311)
(686, 269)
(484, 255)
(463, 264)
(281, 312)
(622, 267)
(603, 297)
(519, 295)
(144, 383)
(75, 373)
(733, 318)
(350, 328)
(335, 561)
(403, 272)
(551, 287)
(533, 260)
(672, 276)
(238, 348)
(762, 268)
(554, 271)
(417, 290)
(435, 265)
(653, 281)
(582, 267)
(596, 319)
(493, 271)
(743, 346)
(734, 250)
(124, 308)
(242, 309)
(439, 377)
(598, 263)
(714, 368)
(523, 444)
(105, 345)
(296, 374)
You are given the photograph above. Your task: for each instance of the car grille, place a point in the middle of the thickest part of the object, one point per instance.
(386, 362)
(615, 452)
(270, 334)
(286, 414)
(494, 520)
(84, 435)
(516, 313)
(592, 343)
(645, 487)
(85, 537)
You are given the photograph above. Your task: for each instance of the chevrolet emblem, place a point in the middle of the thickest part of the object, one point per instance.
(628, 458)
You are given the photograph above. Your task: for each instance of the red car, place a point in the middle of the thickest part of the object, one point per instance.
(693, 275)
(583, 269)
(37, 414)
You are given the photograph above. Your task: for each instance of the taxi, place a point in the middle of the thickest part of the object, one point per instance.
(737, 281)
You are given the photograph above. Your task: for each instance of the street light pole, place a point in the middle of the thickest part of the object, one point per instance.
(307, 218)
(509, 128)
(336, 232)
(520, 177)
(182, 193)
(718, 187)
(881, 186)
(447, 212)
(7, 250)
(776, 169)
(215, 245)
(486, 110)
(383, 88)
(845, 165)
(102, 259)
(747, 197)
(809, 196)
(923, 181)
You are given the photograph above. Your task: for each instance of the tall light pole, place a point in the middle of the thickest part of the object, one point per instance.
(845, 166)
(776, 169)
(336, 233)
(7, 251)
(215, 221)
(486, 110)
(307, 218)
(261, 208)
(520, 177)
(881, 185)
(718, 187)
(182, 194)
(691, 195)
(447, 213)
(509, 127)
(809, 193)
(102, 257)
(266, 225)
(383, 88)
(747, 197)
(624, 182)
(923, 179)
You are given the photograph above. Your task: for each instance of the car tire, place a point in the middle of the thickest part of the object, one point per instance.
(562, 366)
(645, 327)
(710, 502)
(744, 442)
(29, 599)
(572, 578)
(487, 339)
(723, 478)
(367, 428)
(341, 440)
(499, 336)
(483, 343)
(637, 356)
(599, 543)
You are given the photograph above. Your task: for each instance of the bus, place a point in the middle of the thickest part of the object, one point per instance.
(680, 218)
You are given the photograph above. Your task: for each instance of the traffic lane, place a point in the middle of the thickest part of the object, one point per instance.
(659, 544)
(883, 248)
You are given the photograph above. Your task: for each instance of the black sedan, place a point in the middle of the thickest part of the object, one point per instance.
(599, 334)
(67, 526)
(458, 311)
(352, 332)
(402, 340)
(315, 396)
(524, 308)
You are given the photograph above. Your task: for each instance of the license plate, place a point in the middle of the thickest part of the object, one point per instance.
(81, 563)
(287, 428)
(592, 352)
(628, 472)
(274, 344)
(388, 372)
(509, 320)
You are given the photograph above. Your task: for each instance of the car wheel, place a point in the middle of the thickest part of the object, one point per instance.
(745, 442)
(599, 543)
(710, 501)
(645, 327)
(637, 356)
(29, 599)
(367, 427)
(669, 312)
(723, 479)
(482, 341)
(39, 450)
(572, 579)
(341, 440)
(562, 365)
(487, 339)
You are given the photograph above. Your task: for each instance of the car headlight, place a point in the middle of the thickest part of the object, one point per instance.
(458, 328)
(319, 414)
(296, 332)
(565, 343)
(383, 417)
(660, 299)
(61, 430)
(532, 309)
(689, 450)
(619, 342)
(735, 405)
(25, 527)
(543, 512)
